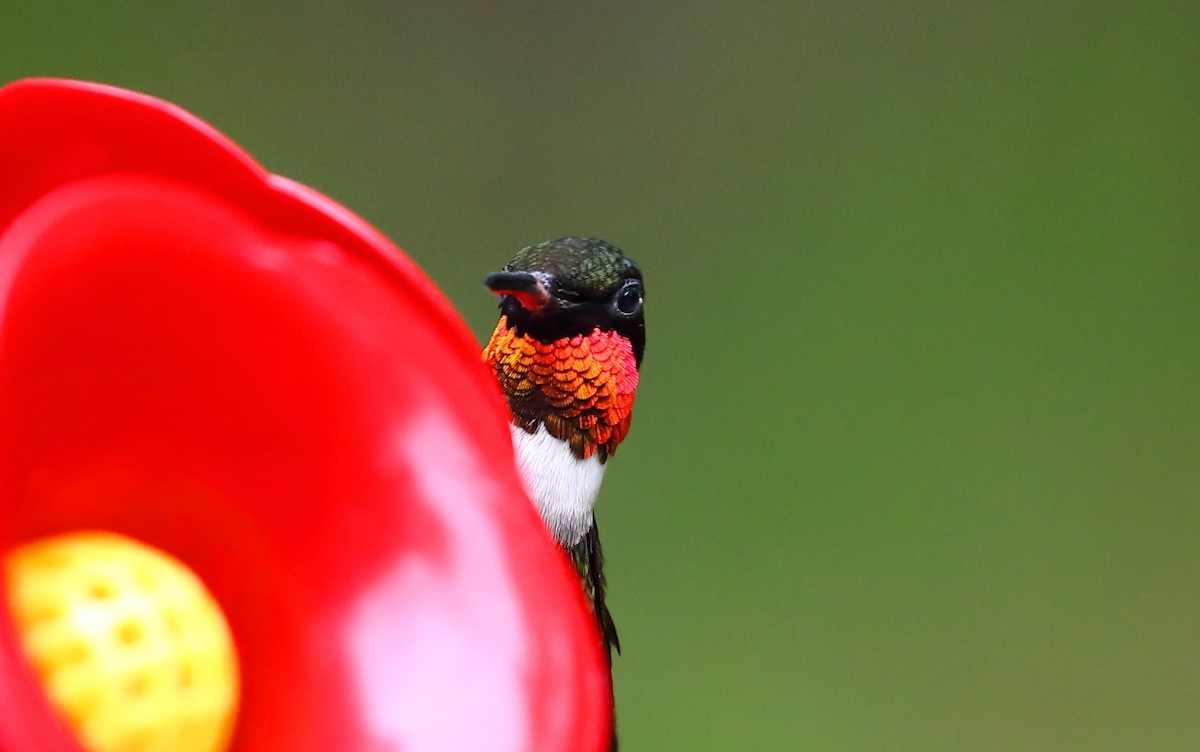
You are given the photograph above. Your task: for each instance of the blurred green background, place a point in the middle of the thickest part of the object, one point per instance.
(916, 458)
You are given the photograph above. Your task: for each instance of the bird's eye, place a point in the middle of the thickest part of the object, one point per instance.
(629, 299)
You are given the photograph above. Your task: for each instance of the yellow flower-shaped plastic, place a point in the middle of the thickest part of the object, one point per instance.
(131, 647)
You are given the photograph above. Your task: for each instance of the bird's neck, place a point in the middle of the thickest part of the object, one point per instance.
(570, 402)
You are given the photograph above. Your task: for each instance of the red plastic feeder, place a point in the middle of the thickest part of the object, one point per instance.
(227, 366)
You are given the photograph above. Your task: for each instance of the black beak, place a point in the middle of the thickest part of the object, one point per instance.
(533, 290)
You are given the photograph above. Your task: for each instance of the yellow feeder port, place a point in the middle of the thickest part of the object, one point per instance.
(131, 648)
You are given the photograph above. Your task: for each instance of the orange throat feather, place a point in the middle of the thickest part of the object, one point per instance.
(580, 388)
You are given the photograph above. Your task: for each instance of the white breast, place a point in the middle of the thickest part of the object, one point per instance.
(563, 486)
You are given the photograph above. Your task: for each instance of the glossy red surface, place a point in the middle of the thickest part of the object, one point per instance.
(231, 367)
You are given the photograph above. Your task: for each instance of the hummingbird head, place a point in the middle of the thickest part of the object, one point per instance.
(571, 286)
(569, 341)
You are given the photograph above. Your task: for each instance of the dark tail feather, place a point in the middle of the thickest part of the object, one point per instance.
(588, 559)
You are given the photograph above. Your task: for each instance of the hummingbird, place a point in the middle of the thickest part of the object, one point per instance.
(566, 351)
